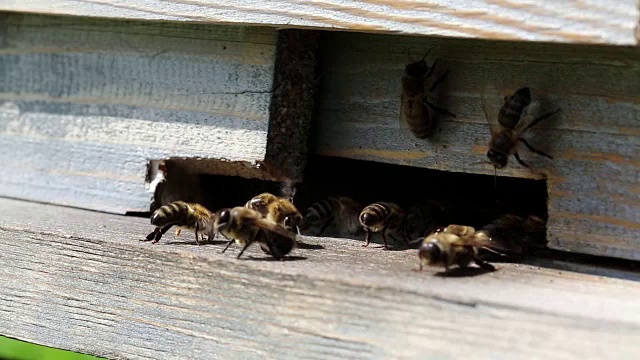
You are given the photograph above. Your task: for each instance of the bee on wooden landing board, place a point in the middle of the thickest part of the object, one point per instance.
(342, 211)
(454, 245)
(514, 118)
(191, 216)
(245, 226)
(277, 209)
(416, 111)
(386, 218)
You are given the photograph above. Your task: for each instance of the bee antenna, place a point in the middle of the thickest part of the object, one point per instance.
(425, 55)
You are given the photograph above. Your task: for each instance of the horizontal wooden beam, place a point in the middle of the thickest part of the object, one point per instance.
(85, 104)
(68, 272)
(570, 21)
(594, 203)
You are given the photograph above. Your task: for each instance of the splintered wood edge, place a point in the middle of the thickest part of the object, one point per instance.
(67, 271)
(546, 20)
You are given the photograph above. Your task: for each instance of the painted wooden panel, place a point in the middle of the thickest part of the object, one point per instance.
(68, 272)
(594, 203)
(86, 103)
(570, 21)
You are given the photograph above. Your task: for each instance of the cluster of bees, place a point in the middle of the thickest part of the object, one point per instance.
(268, 220)
(274, 222)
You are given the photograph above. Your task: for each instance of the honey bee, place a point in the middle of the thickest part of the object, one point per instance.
(513, 120)
(416, 112)
(386, 218)
(277, 209)
(455, 245)
(191, 216)
(339, 210)
(517, 235)
(246, 226)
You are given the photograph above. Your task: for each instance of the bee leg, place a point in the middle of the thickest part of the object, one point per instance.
(367, 238)
(438, 81)
(226, 247)
(197, 228)
(540, 118)
(483, 264)
(384, 231)
(243, 249)
(159, 234)
(520, 160)
(178, 230)
(532, 149)
(151, 235)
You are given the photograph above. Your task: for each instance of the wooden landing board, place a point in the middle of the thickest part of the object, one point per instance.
(570, 21)
(67, 273)
(594, 201)
(86, 103)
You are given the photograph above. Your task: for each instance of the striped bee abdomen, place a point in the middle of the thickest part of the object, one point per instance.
(174, 212)
(374, 214)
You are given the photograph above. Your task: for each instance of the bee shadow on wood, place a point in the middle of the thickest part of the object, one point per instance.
(305, 246)
(270, 258)
(463, 272)
(205, 242)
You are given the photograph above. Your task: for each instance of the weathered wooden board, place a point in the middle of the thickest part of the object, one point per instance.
(594, 202)
(67, 273)
(86, 103)
(572, 21)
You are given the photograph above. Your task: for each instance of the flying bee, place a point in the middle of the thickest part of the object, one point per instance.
(246, 226)
(416, 112)
(455, 245)
(339, 210)
(386, 218)
(513, 120)
(277, 209)
(191, 216)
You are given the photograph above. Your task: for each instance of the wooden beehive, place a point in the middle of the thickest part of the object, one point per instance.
(94, 95)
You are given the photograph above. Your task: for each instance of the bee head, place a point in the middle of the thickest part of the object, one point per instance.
(293, 221)
(224, 218)
(416, 69)
(498, 159)
(430, 253)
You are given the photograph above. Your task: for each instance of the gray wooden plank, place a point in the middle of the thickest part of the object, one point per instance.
(593, 178)
(85, 104)
(571, 21)
(69, 272)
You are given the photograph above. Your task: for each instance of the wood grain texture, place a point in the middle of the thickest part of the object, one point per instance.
(594, 202)
(67, 273)
(571, 21)
(86, 103)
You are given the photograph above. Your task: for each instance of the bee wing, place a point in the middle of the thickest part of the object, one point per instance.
(491, 101)
(479, 240)
(529, 115)
(402, 116)
(271, 226)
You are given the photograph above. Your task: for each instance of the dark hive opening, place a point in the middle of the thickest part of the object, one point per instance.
(470, 198)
